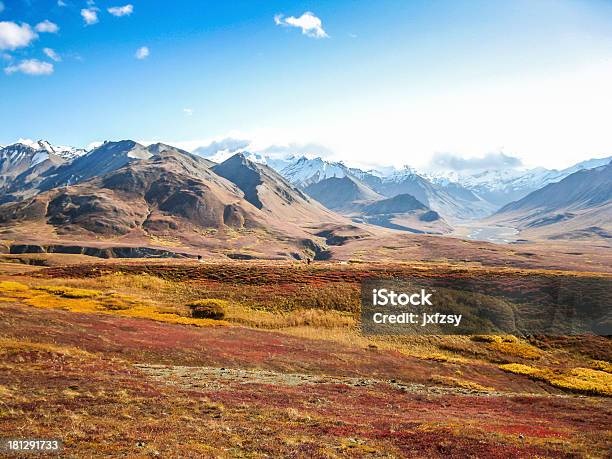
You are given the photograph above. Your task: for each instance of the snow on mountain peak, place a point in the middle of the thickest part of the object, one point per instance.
(305, 171)
(44, 146)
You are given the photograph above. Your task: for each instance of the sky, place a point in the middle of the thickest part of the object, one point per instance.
(384, 82)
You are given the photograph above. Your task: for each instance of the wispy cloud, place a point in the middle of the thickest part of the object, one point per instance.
(309, 149)
(13, 36)
(51, 54)
(225, 147)
(30, 67)
(142, 52)
(310, 24)
(449, 161)
(188, 111)
(118, 11)
(1, 7)
(47, 26)
(61, 3)
(90, 15)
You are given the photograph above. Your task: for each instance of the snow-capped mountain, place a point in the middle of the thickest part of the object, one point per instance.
(576, 207)
(28, 167)
(64, 152)
(304, 172)
(450, 200)
(501, 186)
(17, 158)
(218, 156)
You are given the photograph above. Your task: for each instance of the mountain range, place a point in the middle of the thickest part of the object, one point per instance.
(577, 207)
(129, 191)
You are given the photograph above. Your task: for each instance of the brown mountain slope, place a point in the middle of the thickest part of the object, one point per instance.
(267, 190)
(176, 197)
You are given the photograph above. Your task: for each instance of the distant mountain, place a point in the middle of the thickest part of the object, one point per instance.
(304, 172)
(22, 163)
(18, 158)
(406, 213)
(349, 196)
(106, 158)
(338, 187)
(450, 200)
(578, 206)
(64, 152)
(401, 203)
(343, 194)
(307, 191)
(269, 191)
(457, 195)
(501, 186)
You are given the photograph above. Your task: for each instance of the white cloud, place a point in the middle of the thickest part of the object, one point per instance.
(118, 11)
(13, 36)
(61, 3)
(308, 22)
(310, 149)
(90, 15)
(51, 54)
(47, 26)
(30, 67)
(454, 162)
(222, 148)
(142, 52)
(188, 111)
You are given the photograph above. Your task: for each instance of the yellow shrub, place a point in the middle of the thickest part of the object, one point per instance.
(10, 286)
(69, 292)
(94, 301)
(71, 304)
(584, 380)
(520, 369)
(517, 348)
(602, 365)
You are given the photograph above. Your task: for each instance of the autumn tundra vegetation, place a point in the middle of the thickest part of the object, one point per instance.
(256, 358)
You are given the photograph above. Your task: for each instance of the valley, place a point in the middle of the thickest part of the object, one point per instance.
(494, 234)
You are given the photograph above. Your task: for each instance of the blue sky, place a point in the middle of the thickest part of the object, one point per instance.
(391, 81)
